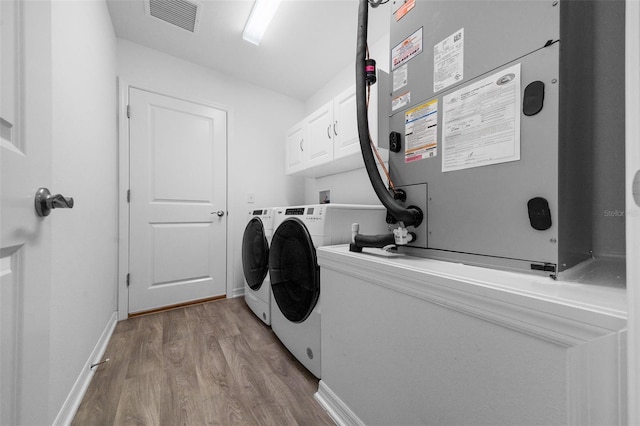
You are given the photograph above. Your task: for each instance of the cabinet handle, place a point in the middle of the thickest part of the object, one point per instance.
(335, 128)
(329, 131)
(301, 148)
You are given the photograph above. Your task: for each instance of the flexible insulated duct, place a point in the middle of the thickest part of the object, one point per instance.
(410, 216)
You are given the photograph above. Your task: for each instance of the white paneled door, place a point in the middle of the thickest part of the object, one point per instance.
(25, 238)
(178, 206)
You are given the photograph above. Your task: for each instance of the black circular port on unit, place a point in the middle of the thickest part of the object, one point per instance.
(417, 214)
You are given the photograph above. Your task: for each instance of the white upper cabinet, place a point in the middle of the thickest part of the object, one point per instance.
(327, 142)
(297, 148)
(345, 125)
(321, 135)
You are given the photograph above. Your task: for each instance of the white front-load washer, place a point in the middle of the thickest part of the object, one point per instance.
(255, 262)
(295, 274)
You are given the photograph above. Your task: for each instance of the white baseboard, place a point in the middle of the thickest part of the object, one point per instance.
(71, 404)
(338, 410)
(237, 292)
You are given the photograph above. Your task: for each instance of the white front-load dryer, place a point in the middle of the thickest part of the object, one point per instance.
(295, 274)
(255, 262)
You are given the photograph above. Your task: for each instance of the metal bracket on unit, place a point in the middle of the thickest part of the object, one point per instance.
(546, 267)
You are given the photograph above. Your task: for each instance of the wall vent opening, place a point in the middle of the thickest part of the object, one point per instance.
(182, 13)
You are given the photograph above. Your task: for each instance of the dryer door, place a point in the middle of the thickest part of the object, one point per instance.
(255, 254)
(294, 270)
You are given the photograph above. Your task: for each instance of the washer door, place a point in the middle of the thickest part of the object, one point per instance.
(294, 271)
(255, 254)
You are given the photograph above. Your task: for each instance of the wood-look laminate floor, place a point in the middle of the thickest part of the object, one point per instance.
(208, 364)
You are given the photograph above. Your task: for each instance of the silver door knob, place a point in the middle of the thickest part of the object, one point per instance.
(45, 202)
(220, 213)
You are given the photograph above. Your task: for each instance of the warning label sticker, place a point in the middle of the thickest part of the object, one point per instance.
(404, 9)
(400, 101)
(421, 132)
(407, 50)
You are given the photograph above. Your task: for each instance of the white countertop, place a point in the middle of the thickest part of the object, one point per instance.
(449, 283)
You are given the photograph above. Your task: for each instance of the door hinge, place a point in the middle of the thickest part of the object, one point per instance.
(128, 195)
(128, 277)
(128, 111)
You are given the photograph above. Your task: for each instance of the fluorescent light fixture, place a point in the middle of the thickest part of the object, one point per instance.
(261, 15)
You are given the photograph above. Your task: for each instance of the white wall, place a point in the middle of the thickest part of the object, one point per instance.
(83, 291)
(379, 50)
(351, 187)
(258, 120)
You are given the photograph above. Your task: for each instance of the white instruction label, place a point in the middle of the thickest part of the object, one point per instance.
(448, 61)
(421, 132)
(407, 50)
(400, 77)
(481, 122)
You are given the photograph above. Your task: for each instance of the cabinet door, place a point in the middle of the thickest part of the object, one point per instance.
(320, 125)
(297, 148)
(345, 125)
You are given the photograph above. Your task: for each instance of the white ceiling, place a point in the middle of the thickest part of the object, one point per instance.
(306, 45)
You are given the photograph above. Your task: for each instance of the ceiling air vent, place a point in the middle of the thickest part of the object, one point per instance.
(182, 13)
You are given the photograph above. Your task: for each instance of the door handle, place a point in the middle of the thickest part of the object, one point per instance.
(635, 188)
(45, 202)
(220, 213)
